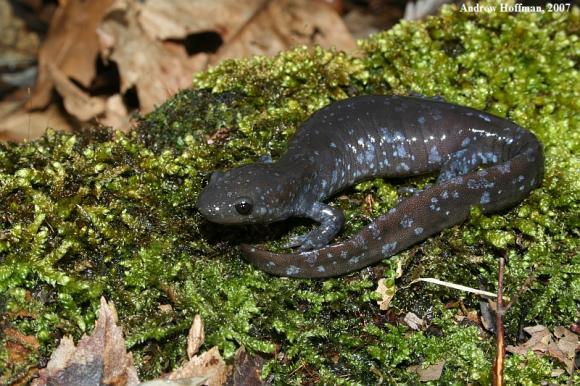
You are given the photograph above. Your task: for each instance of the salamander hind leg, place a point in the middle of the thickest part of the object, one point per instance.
(331, 221)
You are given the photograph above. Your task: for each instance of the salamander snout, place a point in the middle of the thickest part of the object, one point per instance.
(248, 194)
(215, 207)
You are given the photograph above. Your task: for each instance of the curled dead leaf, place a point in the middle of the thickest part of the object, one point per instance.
(99, 358)
(77, 102)
(71, 46)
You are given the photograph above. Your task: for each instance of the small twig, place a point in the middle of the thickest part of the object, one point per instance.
(453, 285)
(498, 364)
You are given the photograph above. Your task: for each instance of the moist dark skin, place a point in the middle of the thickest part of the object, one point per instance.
(481, 159)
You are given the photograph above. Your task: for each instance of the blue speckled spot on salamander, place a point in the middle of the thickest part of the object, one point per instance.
(481, 159)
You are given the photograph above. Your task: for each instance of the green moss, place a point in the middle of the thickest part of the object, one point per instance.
(112, 214)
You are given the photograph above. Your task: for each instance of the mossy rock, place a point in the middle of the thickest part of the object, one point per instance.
(111, 214)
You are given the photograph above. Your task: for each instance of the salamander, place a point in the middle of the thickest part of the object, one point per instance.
(481, 159)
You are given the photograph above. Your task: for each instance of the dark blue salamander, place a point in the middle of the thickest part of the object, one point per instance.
(482, 159)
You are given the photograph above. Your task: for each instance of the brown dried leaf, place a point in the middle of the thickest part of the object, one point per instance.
(247, 369)
(562, 332)
(62, 355)
(285, 23)
(561, 346)
(566, 347)
(99, 358)
(205, 369)
(147, 41)
(17, 124)
(429, 373)
(116, 115)
(413, 321)
(155, 69)
(539, 340)
(71, 46)
(535, 330)
(209, 364)
(256, 27)
(77, 102)
(387, 294)
(196, 336)
(177, 19)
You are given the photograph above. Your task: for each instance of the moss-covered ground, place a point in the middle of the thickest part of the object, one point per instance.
(110, 214)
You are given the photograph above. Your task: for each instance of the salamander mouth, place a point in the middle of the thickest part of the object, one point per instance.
(207, 209)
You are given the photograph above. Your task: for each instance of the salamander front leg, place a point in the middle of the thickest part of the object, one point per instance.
(331, 221)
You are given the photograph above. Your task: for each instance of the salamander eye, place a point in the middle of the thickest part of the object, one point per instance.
(244, 206)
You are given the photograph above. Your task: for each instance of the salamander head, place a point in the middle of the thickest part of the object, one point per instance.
(248, 194)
